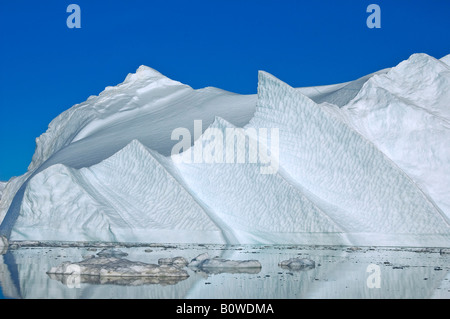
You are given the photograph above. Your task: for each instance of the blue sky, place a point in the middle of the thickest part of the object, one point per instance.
(45, 67)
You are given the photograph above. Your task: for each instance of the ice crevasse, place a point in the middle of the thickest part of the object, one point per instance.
(361, 163)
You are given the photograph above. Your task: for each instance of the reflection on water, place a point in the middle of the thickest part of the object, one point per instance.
(219, 270)
(72, 280)
(339, 272)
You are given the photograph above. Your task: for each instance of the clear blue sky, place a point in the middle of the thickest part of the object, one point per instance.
(45, 68)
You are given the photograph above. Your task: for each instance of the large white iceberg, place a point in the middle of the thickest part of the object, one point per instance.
(365, 162)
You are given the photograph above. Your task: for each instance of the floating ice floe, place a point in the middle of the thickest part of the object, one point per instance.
(209, 265)
(297, 264)
(111, 252)
(197, 261)
(175, 261)
(117, 267)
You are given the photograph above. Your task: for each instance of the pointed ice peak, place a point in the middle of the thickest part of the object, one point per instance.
(267, 84)
(144, 73)
(220, 122)
(133, 147)
(418, 65)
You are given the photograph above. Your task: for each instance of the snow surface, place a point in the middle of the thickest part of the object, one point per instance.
(363, 162)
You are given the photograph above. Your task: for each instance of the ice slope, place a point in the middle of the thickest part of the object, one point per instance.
(128, 197)
(406, 114)
(341, 171)
(2, 188)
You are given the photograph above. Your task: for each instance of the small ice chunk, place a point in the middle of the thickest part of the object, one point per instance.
(197, 261)
(297, 264)
(111, 252)
(117, 267)
(176, 261)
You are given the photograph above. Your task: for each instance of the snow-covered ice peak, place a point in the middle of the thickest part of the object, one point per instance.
(143, 72)
(148, 75)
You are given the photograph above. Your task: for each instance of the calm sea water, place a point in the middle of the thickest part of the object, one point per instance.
(340, 272)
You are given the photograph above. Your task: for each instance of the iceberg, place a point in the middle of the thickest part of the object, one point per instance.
(364, 162)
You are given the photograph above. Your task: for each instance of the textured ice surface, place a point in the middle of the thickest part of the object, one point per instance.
(253, 207)
(129, 197)
(363, 162)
